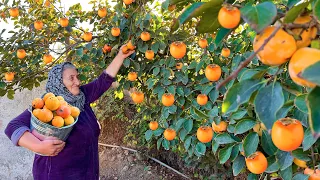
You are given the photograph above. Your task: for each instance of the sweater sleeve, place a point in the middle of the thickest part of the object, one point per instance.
(17, 126)
(97, 87)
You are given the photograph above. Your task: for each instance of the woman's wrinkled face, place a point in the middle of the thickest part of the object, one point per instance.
(71, 81)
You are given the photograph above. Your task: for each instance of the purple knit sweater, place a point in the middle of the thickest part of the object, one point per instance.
(79, 159)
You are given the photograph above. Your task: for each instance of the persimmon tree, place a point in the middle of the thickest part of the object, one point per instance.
(236, 80)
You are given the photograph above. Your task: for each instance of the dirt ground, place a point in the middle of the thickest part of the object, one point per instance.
(116, 163)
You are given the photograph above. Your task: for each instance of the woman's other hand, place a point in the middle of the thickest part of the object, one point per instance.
(51, 147)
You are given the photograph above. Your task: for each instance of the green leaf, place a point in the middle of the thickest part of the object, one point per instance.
(193, 65)
(201, 148)
(156, 71)
(273, 166)
(215, 146)
(89, 46)
(267, 144)
(79, 52)
(199, 113)
(313, 100)
(315, 44)
(188, 125)
(291, 3)
(316, 9)
(148, 134)
(155, 47)
(136, 66)
(207, 23)
(312, 73)
(236, 61)
(222, 33)
(224, 138)
(238, 164)
(238, 115)
(300, 176)
(99, 53)
(308, 140)
(250, 143)
(183, 133)
(293, 13)
(161, 91)
(190, 12)
(187, 143)
(244, 126)
(224, 154)
(185, 80)
(282, 113)
(72, 21)
(303, 117)
(180, 91)
(267, 102)
(213, 112)
(238, 94)
(142, 47)
(165, 4)
(126, 62)
(181, 101)
(2, 85)
(159, 143)
(166, 144)
(286, 173)
(151, 82)
(179, 124)
(235, 152)
(158, 132)
(213, 95)
(10, 94)
(82, 77)
(252, 177)
(301, 154)
(284, 159)
(259, 16)
(172, 109)
(248, 74)
(199, 66)
(207, 89)
(170, 63)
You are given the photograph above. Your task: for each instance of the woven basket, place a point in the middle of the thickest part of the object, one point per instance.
(46, 131)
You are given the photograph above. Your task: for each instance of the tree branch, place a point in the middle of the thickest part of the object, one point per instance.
(57, 8)
(45, 69)
(313, 159)
(247, 61)
(304, 26)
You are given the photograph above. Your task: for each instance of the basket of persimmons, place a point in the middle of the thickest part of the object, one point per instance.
(52, 117)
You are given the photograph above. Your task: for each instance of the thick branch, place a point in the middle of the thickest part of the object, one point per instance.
(248, 60)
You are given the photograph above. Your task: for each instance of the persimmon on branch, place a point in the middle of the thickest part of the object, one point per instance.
(248, 60)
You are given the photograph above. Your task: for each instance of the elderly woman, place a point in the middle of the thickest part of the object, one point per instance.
(77, 158)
